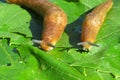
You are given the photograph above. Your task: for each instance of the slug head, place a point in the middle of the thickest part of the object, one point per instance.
(44, 44)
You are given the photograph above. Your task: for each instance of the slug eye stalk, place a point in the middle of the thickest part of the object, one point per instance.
(88, 43)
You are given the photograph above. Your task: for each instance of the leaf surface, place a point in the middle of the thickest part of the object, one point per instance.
(66, 61)
(14, 23)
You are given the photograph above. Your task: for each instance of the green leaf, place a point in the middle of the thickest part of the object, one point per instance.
(92, 74)
(14, 23)
(13, 67)
(6, 54)
(18, 71)
(62, 69)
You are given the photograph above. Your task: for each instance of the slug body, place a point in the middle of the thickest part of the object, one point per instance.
(93, 22)
(55, 20)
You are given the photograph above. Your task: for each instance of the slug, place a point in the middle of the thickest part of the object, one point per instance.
(92, 24)
(54, 20)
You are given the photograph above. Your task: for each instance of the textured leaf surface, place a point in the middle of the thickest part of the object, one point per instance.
(54, 67)
(6, 54)
(14, 23)
(20, 71)
(12, 66)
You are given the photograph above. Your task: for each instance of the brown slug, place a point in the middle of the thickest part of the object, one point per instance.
(55, 20)
(92, 24)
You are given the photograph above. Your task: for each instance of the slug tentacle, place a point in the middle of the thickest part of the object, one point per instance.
(88, 43)
(93, 22)
(55, 20)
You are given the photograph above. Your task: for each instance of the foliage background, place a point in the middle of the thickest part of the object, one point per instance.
(20, 60)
